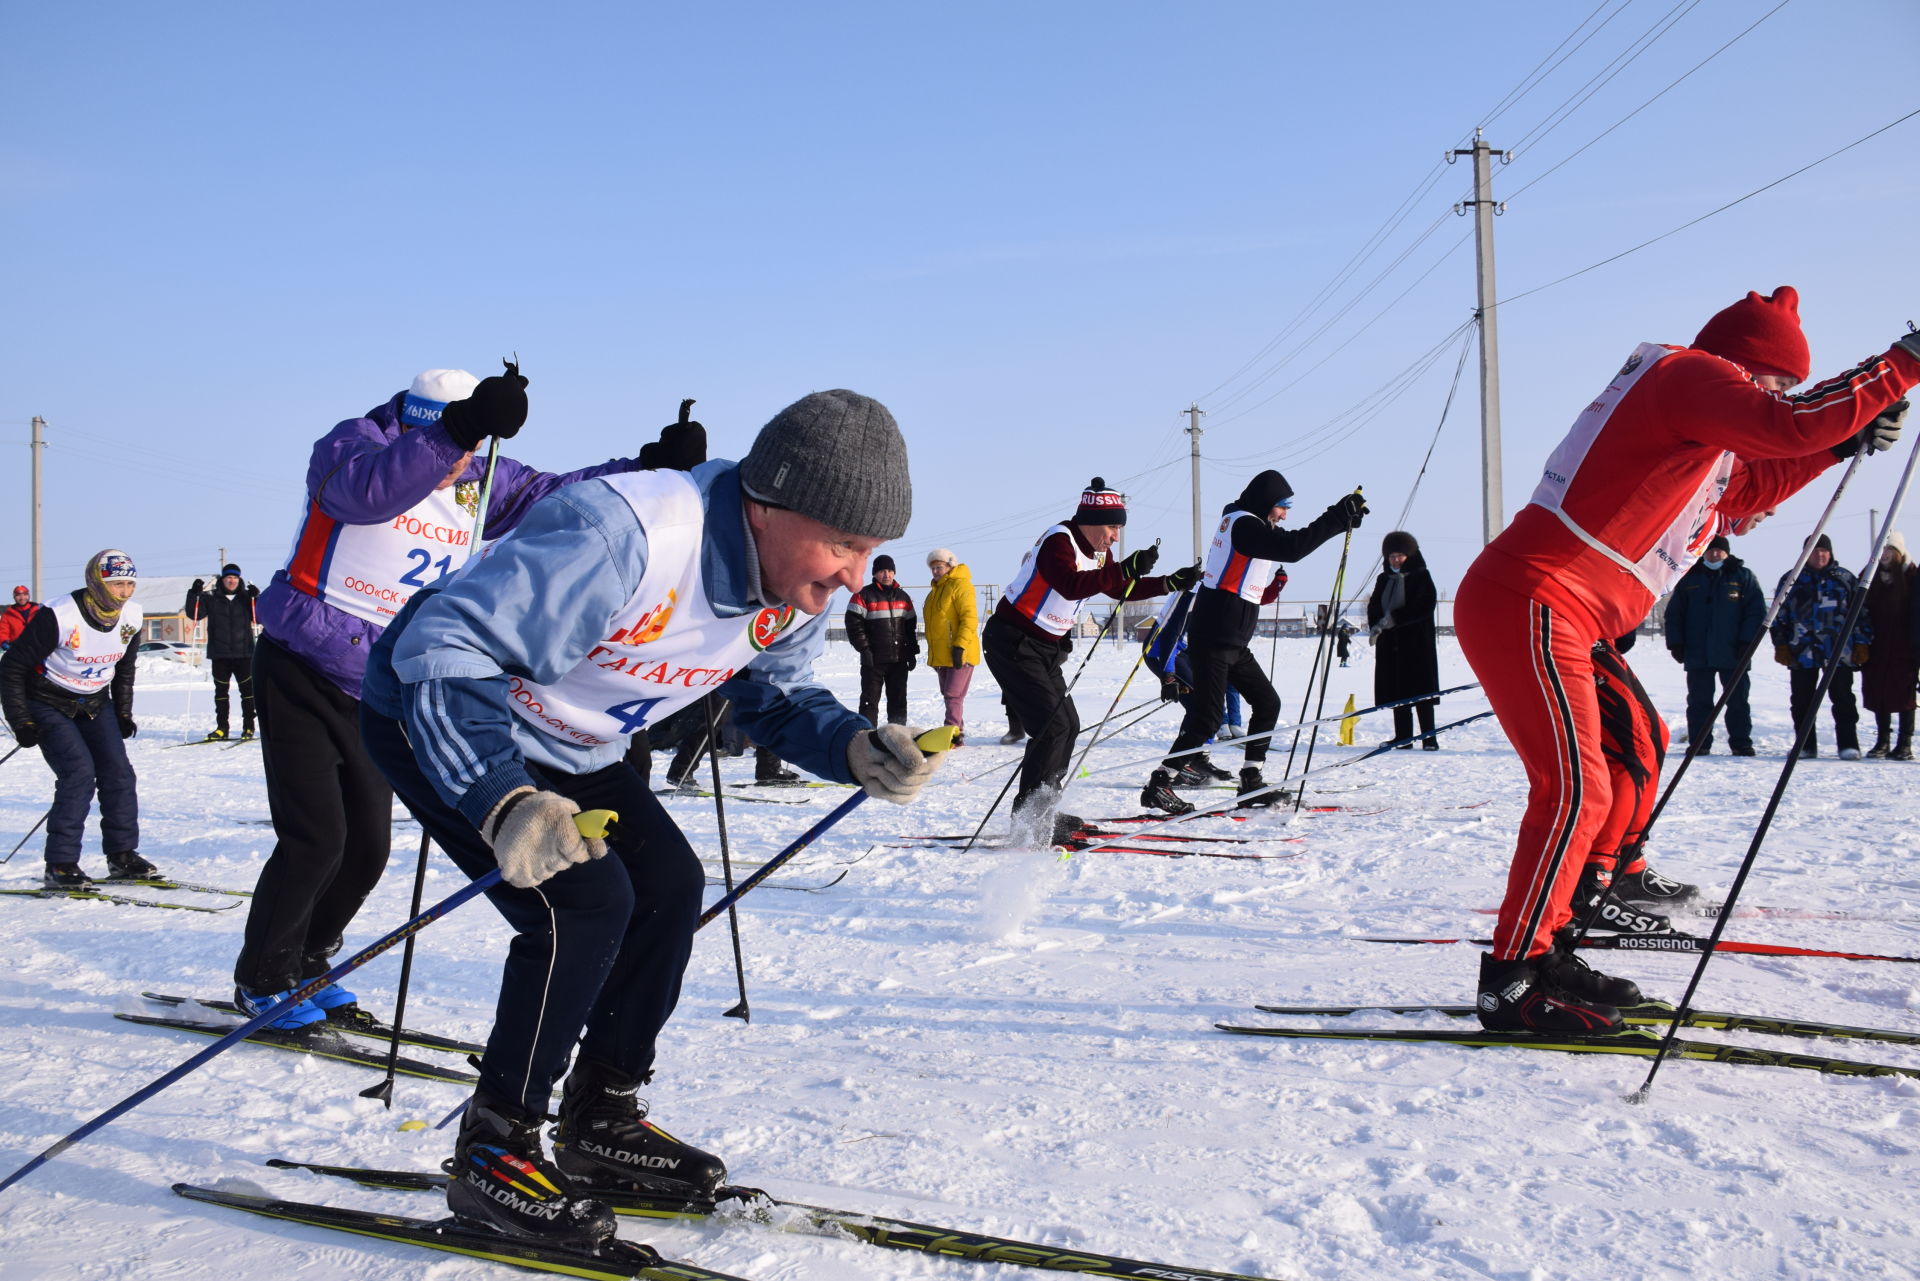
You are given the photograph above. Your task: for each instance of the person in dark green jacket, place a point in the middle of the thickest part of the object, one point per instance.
(1713, 616)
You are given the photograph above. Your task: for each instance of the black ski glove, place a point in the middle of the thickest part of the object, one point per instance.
(199, 586)
(127, 728)
(1351, 508)
(682, 446)
(913, 661)
(1170, 691)
(27, 734)
(1141, 563)
(1182, 578)
(1878, 436)
(498, 407)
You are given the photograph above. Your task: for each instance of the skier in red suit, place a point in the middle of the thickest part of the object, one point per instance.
(1680, 442)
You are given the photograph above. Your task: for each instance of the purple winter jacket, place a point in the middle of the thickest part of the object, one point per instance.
(366, 471)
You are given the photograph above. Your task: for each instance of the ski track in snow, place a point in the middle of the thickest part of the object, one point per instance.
(1011, 1043)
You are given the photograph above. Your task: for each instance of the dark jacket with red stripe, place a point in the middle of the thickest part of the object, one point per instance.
(882, 625)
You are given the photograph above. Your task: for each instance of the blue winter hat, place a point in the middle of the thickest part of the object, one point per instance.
(432, 391)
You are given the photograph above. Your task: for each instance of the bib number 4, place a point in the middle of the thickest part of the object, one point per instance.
(633, 716)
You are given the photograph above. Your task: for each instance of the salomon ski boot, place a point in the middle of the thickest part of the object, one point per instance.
(1158, 794)
(1599, 905)
(67, 876)
(295, 1018)
(1648, 886)
(1515, 997)
(504, 1182)
(604, 1137)
(127, 865)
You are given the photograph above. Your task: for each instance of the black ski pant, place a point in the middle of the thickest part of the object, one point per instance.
(1403, 721)
(1035, 690)
(601, 946)
(332, 815)
(240, 670)
(86, 753)
(893, 678)
(1803, 682)
(1216, 668)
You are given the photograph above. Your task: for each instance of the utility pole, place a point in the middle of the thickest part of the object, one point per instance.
(1194, 413)
(1493, 507)
(39, 443)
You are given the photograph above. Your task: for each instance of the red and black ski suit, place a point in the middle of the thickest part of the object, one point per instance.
(1678, 445)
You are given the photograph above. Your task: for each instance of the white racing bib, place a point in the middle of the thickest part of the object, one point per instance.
(83, 661)
(1038, 603)
(1235, 572)
(665, 647)
(372, 571)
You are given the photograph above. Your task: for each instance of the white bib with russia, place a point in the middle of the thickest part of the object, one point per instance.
(1237, 573)
(665, 647)
(1680, 544)
(1040, 604)
(84, 660)
(372, 571)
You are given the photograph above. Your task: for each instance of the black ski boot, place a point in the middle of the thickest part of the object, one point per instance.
(127, 865)
(1198, 771)
(1158, 794)
(1251, 781)
(1564, 973)
(1596, 903)
(768, 771)
(1649, 887)
(67, 876)
(502, 1181)
(604, 1137)
(1516, 997)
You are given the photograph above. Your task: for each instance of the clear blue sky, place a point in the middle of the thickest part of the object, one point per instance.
(1036, 231)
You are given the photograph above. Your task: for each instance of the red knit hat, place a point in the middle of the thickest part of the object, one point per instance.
(1761, 335)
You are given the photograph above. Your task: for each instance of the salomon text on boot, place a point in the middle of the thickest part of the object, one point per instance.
(604, 1137)
(502, 1180)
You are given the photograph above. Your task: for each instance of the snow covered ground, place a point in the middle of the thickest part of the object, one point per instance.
(1011, 1043)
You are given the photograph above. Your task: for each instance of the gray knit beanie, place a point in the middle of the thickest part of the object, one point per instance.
(838, 457)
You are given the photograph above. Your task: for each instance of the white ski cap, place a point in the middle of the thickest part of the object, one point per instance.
(432, 391)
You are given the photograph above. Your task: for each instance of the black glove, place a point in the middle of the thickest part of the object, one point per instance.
(1141, 563)
(199, 586)
(913, 661)
(1679, 656)
(127, 728)
(682, 446)
(1878, 436)
(1169, 691)
(27, 735)
(1351, 508)
(498, 407)
(1182, 578)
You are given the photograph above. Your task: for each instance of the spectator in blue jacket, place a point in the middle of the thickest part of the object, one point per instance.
(1806, 633)
(1713, 618)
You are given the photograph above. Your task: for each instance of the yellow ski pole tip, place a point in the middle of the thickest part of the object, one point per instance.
(593, 823)
(937, 739)
(415, 1124)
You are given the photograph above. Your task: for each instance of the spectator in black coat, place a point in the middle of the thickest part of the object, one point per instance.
(882, 625)
(228, 611)
(1400, 624)
(1712, 620)
(1893, 665)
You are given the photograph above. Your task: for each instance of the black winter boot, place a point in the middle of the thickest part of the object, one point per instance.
(1883, 724)
(1158, 794)
(1903, 746)
(1252, 781)
(604, 1137)
(127, 865)
(1596, 903)
(1513, 998)
(503, 1181)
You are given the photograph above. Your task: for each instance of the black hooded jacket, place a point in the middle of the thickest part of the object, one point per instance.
(1222, 618)
(229, 616)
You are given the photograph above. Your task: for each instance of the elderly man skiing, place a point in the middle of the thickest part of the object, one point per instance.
(499, 707)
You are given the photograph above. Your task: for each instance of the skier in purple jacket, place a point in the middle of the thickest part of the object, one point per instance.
(390, 507)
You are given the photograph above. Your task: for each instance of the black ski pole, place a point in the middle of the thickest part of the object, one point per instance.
(591, 823)
(1061, 702)
(739, 1011)
(384, 1090)
(23, 840)
(1335, 606)
(1856, 605)
(10, 755)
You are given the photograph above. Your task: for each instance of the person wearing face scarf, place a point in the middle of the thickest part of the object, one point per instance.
(66, 686)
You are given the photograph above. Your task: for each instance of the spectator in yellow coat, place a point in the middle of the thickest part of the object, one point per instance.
(953, 632)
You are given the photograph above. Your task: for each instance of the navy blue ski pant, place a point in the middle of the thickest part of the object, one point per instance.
(598, 950)
(86, 753)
